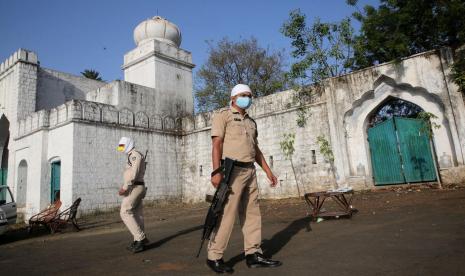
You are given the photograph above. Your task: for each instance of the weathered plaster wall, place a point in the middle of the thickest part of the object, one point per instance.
(83, 136)
(98, 167)
(18, 84)
(32, 150)
(126, 95)
(351, 99)
(164, 67)
(55, 88)
(83, 133)
(275, 115)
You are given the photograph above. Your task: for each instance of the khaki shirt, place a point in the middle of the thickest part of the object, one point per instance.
(135, 169)
(239, 134)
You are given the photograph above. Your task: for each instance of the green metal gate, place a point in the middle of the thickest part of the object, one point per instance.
(3, 178)
(400, 152)
(55, 181)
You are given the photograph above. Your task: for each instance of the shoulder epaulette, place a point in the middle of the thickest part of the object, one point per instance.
(223, 109)
(129, 156)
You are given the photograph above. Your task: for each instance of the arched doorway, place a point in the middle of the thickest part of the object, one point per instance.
(55, 181)
(399, 144)
(4, 139)
(21, 191)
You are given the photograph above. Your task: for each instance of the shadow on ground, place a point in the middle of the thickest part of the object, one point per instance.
(279, 240)
(160, 242)
(22, 233)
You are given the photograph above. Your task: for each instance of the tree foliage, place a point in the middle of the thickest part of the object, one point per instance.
(400, 28)
(233, 62)
(458, 69)
(325, 148)
(327, 151)
(322, 50)
(428, 123)
(91, 74)
(287, 147)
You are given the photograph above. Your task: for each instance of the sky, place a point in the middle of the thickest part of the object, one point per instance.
(71, 36)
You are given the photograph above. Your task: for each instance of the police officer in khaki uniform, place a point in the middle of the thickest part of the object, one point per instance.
(234, 135)
(133, 191)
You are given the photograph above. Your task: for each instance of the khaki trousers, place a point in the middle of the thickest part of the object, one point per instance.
(131, 211)
(243, 199)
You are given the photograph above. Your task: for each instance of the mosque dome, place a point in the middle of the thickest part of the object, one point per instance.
(157, 28)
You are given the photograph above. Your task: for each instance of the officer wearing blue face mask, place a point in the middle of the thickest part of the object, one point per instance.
(234, 135)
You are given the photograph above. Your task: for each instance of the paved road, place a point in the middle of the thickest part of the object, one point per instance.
(395, 233)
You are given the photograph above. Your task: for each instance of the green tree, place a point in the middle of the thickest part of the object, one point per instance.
(327, 152)
(322, 50)
(458, 69)
(287, 147)
(233, 62)
(400, 28)
(428, 124)
(91, 74)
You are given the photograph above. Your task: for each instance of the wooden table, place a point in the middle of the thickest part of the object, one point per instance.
(343, 199)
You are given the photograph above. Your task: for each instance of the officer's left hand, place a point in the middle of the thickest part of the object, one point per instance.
(122, 191)
(273, 179)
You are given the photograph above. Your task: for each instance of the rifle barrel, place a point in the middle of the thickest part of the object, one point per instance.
(200, 249)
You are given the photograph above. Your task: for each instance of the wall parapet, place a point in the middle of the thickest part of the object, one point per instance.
(264, 106)
(93, 112)
(20, 55)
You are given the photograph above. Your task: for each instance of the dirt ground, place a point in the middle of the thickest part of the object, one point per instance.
(398, 231)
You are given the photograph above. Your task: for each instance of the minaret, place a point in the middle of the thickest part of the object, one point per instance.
(159, 63)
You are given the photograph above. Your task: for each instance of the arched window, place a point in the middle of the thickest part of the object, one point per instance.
(22, 184)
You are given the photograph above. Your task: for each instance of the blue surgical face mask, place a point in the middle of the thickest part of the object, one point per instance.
(244, 102)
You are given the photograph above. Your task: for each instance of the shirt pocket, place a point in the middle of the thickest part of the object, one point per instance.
(235, 129)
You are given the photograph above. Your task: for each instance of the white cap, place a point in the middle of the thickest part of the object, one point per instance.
(240, 88)
(128, 144)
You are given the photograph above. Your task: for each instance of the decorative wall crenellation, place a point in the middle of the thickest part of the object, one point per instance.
(19, 55)
(80, 110)
(280, 102)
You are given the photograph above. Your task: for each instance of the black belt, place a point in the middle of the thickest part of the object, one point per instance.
(138, 183)
(236, 163)
(244, 164)
(241, 164)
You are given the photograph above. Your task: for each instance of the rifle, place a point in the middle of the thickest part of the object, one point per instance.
(219, 199)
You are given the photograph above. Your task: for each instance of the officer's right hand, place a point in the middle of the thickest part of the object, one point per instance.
(122, 192)
(216, 180)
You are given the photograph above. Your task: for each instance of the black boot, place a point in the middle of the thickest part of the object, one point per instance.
(137, 246)
(145, 241)
(258, 260)
(131, 246)
(219, 266)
